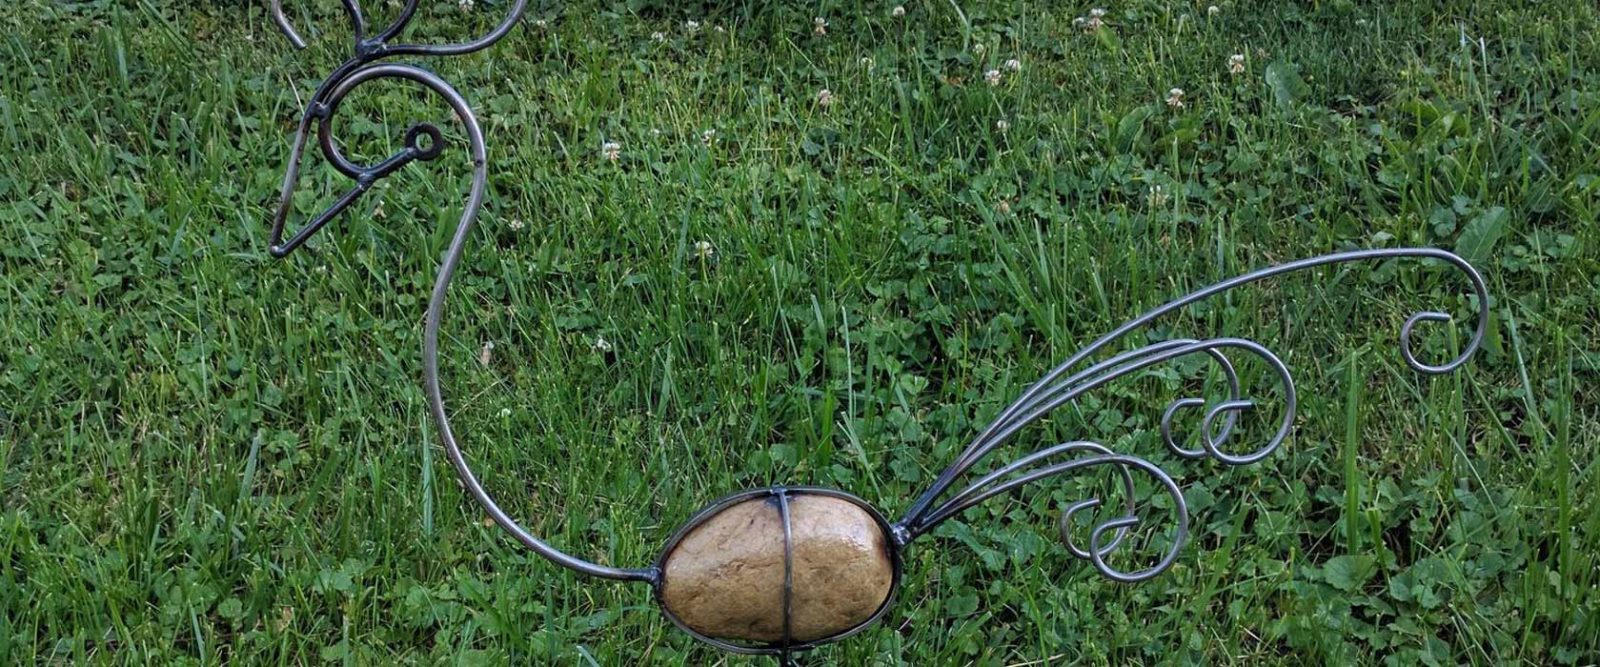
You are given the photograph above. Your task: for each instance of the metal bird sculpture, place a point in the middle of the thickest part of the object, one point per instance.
(778, 570)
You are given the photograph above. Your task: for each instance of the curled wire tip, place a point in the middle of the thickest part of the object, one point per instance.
(1411, 358)
(1166, 428)
(1064, 529)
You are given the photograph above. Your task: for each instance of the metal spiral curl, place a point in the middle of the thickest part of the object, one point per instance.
(1216, 425)
(1028, 469)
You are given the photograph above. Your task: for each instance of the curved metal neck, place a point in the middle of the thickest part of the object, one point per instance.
(422, 142)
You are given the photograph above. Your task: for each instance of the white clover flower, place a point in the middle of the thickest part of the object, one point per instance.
(708, 137)
(819, 26)
(466, 5)
(601, 344)
(486, 354)
(1213, 10)
(541, 24)
(1094, 21)
(866, 62)
(899, 11)
(1003, 125)
(1004, 207)
(704, 249)
(516, 225)
(719, 29)
(505, 413)
(692, 26)
(1157, 196)
(655, 131)
(1175, 98)
(992, 77)
(979, 48)
(1014, 65)
(825, 98)
(1236, 63)
(658, 36)
(611, 150)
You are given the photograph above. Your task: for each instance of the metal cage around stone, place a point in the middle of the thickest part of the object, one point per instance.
(782, 569)
(742, 575)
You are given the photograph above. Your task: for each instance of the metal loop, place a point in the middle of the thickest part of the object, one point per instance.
(1405, 344)
(1098, 546)
(1232, 407)
(352, 10)
(433, 148)
(1166, 428)
(1064, 528)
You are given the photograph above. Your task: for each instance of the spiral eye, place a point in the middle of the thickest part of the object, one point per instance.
(425, 140)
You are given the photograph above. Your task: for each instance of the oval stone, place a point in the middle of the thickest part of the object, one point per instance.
(724, 579)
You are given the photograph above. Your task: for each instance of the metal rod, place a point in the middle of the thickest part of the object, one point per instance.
(379, 47)
(399, 24)
(358, 23)
(788, 571)
(276, 7)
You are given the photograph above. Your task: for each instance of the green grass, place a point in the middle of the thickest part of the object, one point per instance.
(209, 456)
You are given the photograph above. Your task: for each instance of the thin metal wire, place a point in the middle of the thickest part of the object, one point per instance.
(1121, 366)
(788, 574)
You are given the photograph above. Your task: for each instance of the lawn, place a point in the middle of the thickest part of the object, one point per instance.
(211, 456)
